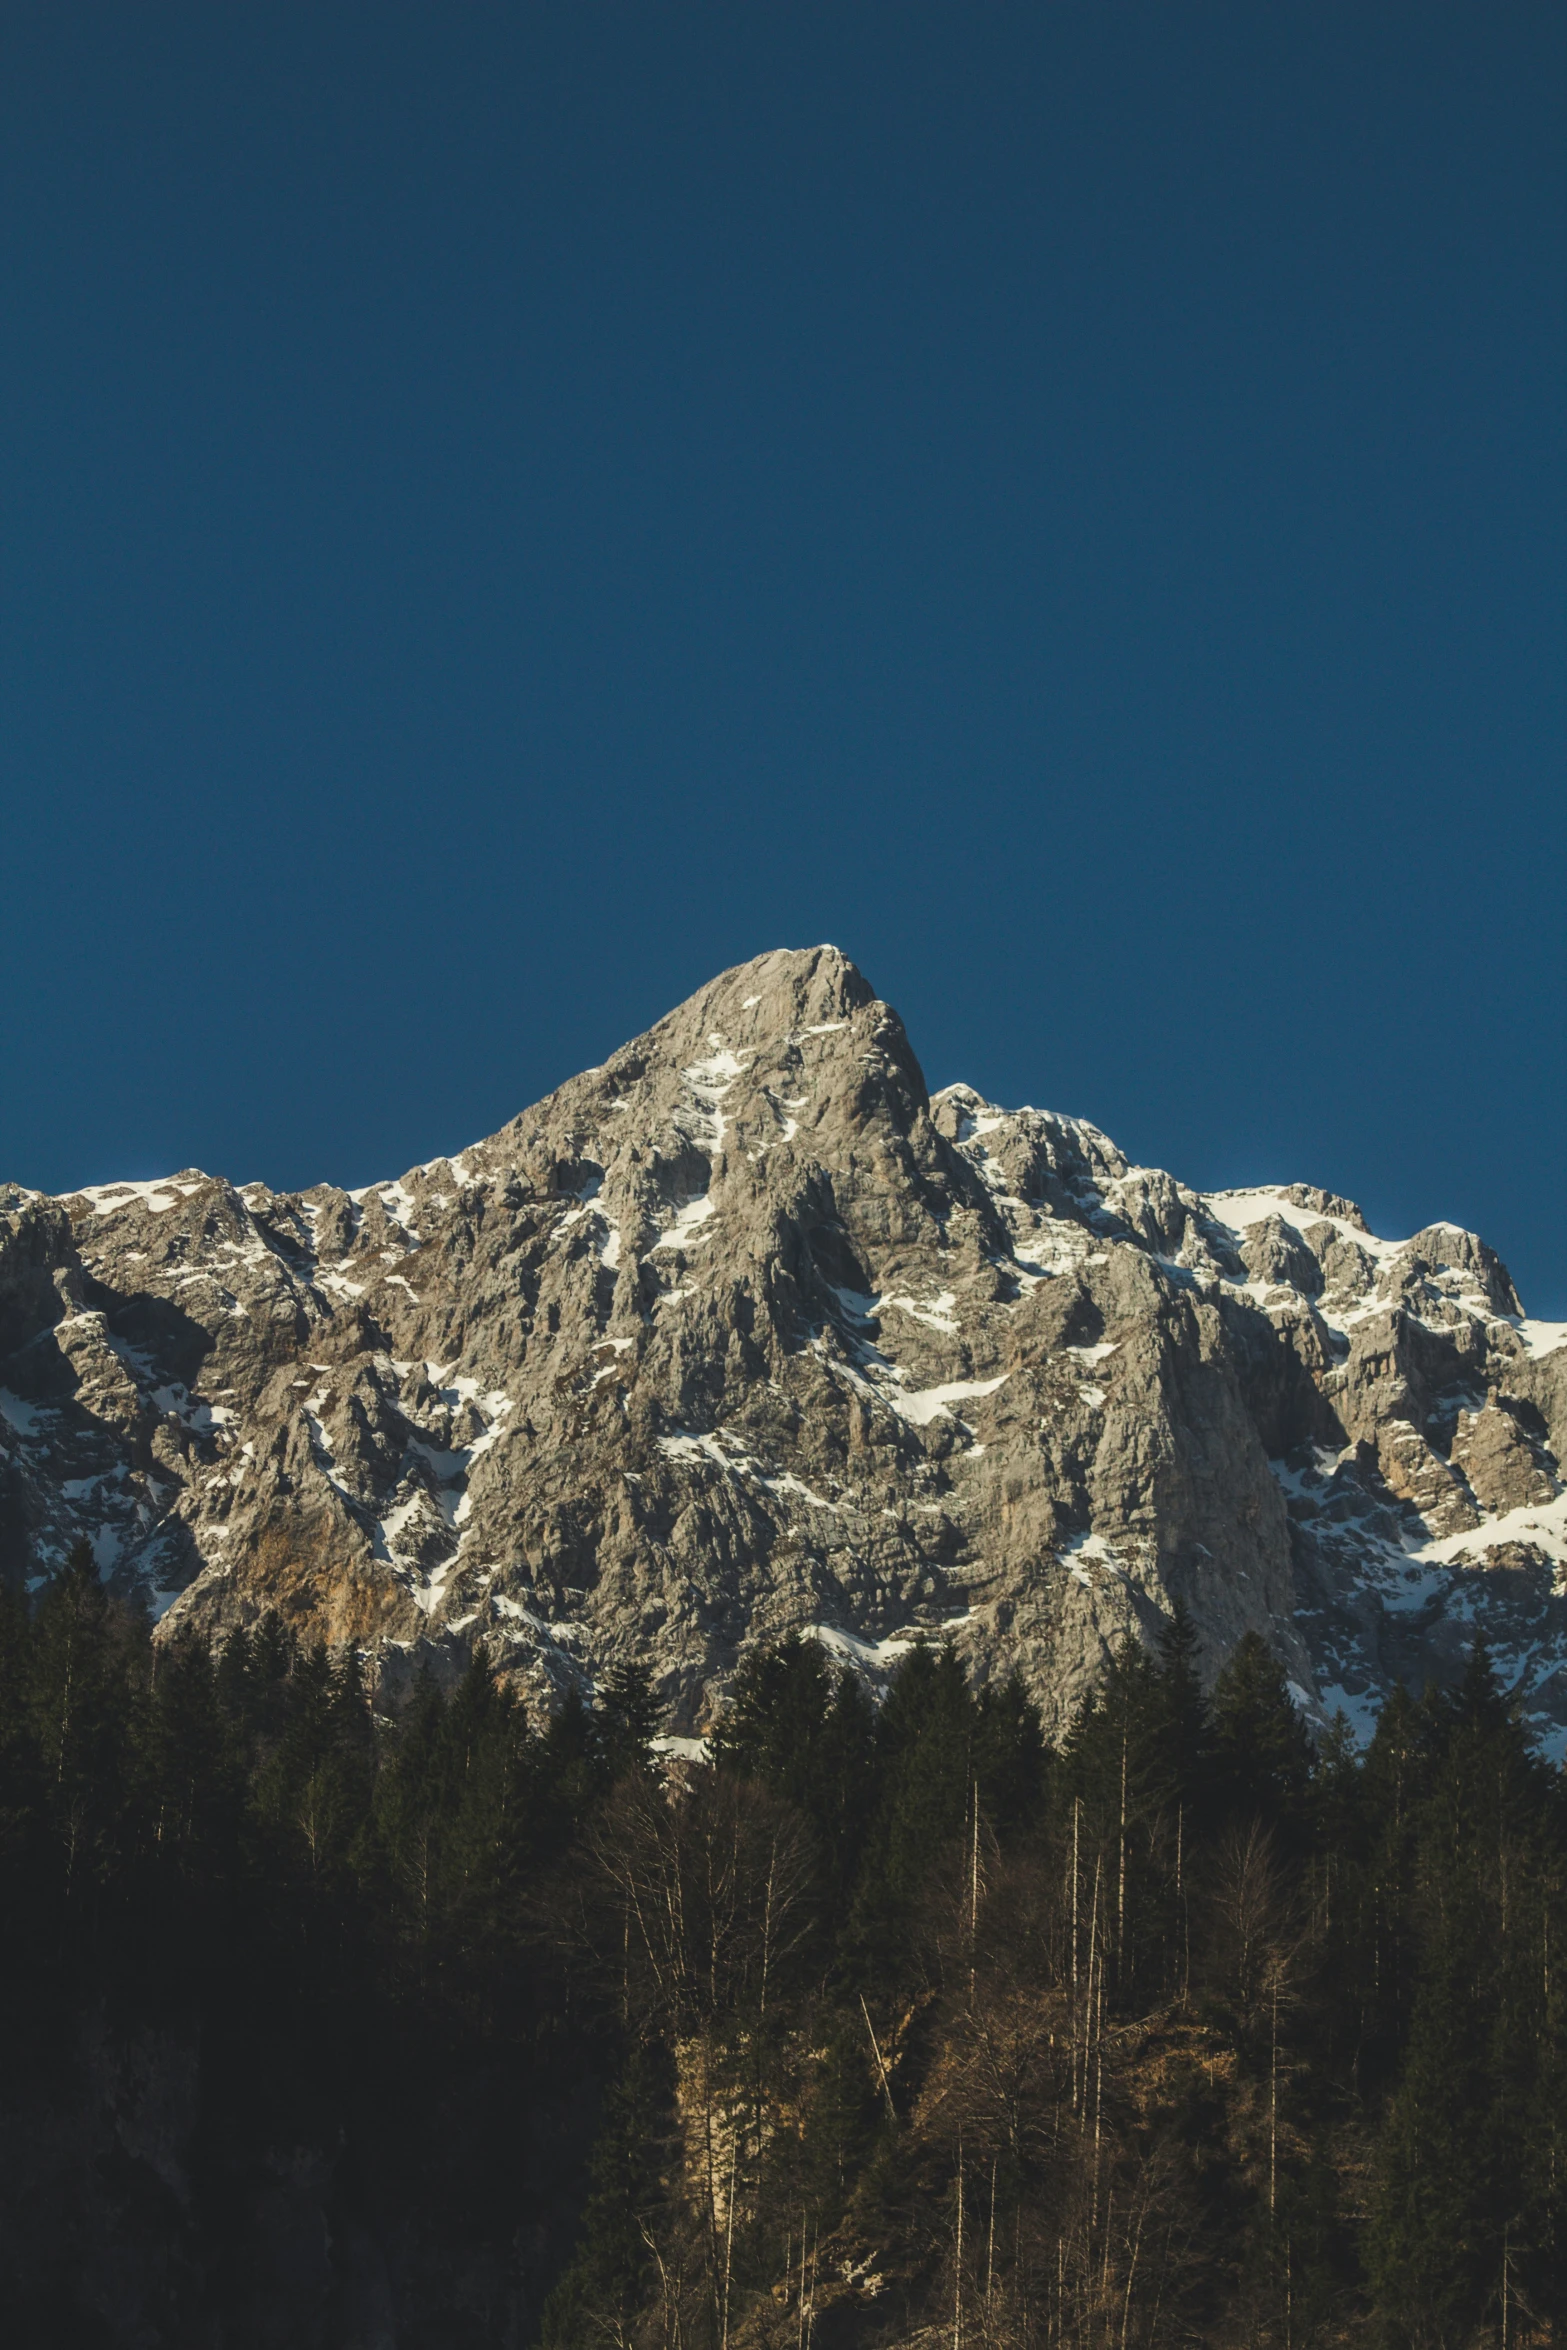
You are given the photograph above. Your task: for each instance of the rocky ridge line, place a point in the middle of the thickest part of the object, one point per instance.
(742, 1333)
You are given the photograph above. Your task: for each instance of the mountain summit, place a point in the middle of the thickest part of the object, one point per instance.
(745, 1333)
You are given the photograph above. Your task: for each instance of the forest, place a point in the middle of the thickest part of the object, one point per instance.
(886, 2025)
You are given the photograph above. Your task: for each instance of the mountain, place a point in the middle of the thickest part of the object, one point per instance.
(745, 1332)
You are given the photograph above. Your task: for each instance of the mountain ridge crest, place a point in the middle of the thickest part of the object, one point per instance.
(742, 1332)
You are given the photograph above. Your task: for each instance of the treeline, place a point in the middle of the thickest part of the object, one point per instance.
(890, 2025)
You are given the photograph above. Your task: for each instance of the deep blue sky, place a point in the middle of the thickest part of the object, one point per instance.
(507, 510)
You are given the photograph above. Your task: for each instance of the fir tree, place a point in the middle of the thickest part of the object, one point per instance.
(1424, 2253)
(627, 1719)
(612, 2270)
(773, 1725)
(1009, 1753)
(86, 1676)
(1262, 1751)
(1184, 1732)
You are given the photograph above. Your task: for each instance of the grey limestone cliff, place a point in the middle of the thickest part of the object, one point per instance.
(745, 1333)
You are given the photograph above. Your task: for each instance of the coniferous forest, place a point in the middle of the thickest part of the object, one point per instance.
(890, 2026)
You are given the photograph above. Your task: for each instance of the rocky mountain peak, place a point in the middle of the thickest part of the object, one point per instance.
(744, 1332)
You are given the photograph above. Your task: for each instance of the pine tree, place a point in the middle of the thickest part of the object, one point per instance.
(571, 1773)
(1262, 1751)
(87, 1673)
(19, 1778)
(773, 1724)
(612, 2272)
(1009, 1753)
(191, 1760)
(404, 1846)
(1123, 1772)
(925, 1741)
(1463, 2192)
(845, 2111)
(627, 1719)
(483, 1830)
(842, 1796)
(1424, 2256)
(1184, 1731)
(811, 1741)
(923, 1804)
(313, 1790)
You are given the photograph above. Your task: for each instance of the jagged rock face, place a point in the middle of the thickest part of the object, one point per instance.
(744, 1333)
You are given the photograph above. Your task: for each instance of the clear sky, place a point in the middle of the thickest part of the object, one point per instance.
(507, 510)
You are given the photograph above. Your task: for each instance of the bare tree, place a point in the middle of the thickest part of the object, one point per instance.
(702, 1893)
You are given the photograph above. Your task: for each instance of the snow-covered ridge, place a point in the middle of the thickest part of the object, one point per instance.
(158, 1196)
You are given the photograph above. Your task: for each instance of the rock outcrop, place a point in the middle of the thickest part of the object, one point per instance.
(742, 1333)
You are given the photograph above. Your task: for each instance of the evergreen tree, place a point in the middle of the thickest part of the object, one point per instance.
(404, 1836)
(571, 1777)
(1466, 2188)
(925, 1748)
(1123, 1774)
(810, 1740)
(845, 2112)
(1184, 1731)
(1009, 1753)
(925, 1794)
(313, 1789)
(19, 1774)
(844, 1785)
(192, 1761)
(628, 1717)
(86, 1676)
(485, 1831)
(612, 2270)
(773, 1725)
(1378, 1930)
(1424, 2251)
(1262, 1751)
